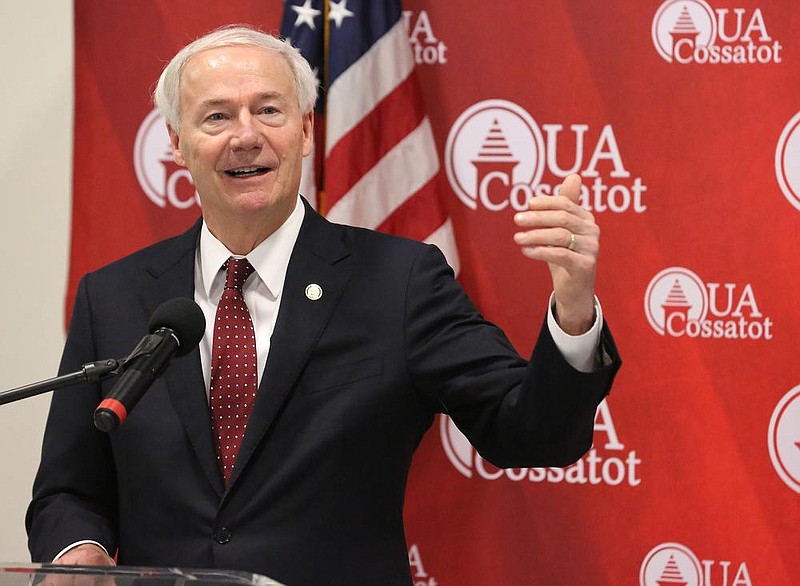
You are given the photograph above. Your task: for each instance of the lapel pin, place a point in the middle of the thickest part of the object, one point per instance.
(313, 292)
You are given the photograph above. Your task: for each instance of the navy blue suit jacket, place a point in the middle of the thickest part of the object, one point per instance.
(352, 382)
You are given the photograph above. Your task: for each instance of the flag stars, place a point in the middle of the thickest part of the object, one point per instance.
(338, 12)
(306, 15)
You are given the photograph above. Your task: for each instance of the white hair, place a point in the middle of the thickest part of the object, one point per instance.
(167, 93)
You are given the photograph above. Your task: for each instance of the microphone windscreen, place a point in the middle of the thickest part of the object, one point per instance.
(184, 317)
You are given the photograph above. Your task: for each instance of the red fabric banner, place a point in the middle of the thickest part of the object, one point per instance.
(683, 119)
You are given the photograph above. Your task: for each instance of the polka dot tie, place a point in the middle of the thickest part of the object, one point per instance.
(234, 377)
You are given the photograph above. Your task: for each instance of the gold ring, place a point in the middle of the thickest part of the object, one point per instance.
(572, 240)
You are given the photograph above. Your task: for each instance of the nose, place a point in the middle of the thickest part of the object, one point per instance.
(245, 134)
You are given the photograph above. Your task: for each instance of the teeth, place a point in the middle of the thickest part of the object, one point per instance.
(246, 170)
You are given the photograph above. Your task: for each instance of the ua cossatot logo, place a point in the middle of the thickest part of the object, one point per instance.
(164, 182)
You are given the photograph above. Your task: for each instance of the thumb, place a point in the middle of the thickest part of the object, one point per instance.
(571, 187)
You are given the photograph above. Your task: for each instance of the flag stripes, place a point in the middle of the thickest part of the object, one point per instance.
(380, 167)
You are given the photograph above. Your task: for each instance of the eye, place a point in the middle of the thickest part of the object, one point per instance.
(269, 110)
(215, 117)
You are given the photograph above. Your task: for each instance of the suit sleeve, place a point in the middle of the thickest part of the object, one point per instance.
(74, 493)
(516, 413)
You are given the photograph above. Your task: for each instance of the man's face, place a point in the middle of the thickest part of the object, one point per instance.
(242, 135)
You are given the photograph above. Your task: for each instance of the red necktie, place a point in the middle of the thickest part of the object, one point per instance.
(234, 377)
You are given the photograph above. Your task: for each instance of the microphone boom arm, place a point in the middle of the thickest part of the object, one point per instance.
(89, 373)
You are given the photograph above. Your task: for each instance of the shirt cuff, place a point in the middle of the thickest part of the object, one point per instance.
(76, 544)
(580, 352)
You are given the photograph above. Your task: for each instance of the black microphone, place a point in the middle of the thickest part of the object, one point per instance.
(176, 328)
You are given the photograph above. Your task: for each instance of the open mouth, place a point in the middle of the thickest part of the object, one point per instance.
(247, 171)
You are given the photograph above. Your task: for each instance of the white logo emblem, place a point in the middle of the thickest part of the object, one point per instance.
(494, 144)
(496, 156)
(784, 439)
(678, 303)
(163, 181)
(690, 31)
(680, 25)
(674, 297)
(671, 563)
(787, 161)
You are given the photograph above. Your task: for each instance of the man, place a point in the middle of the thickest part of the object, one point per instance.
(360, 339)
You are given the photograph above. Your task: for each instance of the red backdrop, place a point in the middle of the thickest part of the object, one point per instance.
(683, 118)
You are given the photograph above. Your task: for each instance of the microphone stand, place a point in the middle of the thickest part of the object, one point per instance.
(89, 373)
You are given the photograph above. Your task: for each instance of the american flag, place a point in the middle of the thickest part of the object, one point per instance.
(376, 163)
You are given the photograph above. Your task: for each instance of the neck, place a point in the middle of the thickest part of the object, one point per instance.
(241, 235)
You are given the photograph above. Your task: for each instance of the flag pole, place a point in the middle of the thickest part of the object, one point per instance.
(326, 46)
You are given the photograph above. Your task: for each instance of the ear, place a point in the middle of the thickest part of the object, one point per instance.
(175, 143)
(308, 133)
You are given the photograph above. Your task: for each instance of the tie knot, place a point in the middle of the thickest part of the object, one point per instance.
(237, 271)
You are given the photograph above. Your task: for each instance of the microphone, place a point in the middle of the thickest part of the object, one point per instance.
(176, 328)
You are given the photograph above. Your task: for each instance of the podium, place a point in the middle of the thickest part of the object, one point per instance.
(57, 575)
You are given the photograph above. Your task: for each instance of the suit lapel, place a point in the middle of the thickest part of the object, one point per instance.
(317, 265)
(173, 276)
(319, 258)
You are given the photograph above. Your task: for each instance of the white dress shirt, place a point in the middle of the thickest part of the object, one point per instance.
(262, 290)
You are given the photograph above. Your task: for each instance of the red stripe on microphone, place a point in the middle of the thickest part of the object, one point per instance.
(116, 407)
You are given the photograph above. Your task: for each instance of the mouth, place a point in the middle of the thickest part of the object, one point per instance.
(247, 172)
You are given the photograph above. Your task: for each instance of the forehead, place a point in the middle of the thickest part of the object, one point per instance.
(237, 67)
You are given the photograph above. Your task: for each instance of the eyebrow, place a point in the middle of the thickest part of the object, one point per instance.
(216, 102)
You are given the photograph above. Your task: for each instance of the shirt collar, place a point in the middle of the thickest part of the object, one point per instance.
(270, 259)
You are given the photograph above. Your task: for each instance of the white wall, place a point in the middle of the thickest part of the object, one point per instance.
(36, 113)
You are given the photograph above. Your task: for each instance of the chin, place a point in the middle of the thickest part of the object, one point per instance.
(263, 202)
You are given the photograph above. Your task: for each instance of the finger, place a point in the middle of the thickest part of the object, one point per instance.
(553, 203)
(576, 221)
(558, 238)
(561, 256)
(544, 237)
(571, 187)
